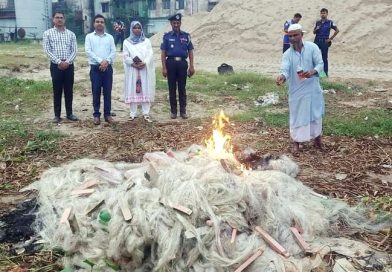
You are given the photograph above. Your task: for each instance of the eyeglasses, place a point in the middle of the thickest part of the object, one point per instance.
(293, 35)
(99, 22)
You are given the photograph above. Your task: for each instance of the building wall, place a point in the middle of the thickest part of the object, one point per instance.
(87, 8)
(155, 25)
(99, 4)
(34, 16)
(157, 18)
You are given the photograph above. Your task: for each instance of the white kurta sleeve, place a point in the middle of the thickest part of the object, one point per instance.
(317, 60)
(285, 65)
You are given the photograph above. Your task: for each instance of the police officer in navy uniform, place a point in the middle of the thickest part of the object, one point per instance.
(176, 47)
(322, 30)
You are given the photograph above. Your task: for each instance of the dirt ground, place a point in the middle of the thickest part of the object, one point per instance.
(377, 94)
(348, 168)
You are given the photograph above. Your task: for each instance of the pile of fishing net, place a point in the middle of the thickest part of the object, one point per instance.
(184, 211)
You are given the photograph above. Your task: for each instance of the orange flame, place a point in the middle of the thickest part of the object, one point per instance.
(219, 145)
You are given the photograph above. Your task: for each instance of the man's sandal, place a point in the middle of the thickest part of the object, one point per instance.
(147, 118)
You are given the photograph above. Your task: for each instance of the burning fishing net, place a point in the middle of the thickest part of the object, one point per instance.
(193, 210)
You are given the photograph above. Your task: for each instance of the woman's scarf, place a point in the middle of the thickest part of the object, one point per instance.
(134, 39)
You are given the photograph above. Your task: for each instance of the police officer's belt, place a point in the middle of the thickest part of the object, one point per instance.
(176, 58)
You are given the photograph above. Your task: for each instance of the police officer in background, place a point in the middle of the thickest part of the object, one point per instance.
(322, 30)
(175, 49)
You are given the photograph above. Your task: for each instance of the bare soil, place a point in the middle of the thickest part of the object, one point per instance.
(347, 168)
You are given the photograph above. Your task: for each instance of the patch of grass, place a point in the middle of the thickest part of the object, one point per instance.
(14, 56)
(271, 118)
(329, 85)
(245, 86)
(11, 132)
(370, 122)
(44, 141)
(161, 82)
(16, 141)
(23, 97)
(383, 203)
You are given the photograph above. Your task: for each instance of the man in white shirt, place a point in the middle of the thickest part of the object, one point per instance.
(101, 52)
(301, 65)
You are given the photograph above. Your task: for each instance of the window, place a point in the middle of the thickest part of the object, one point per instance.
(166, 4)
(180, 4)
(105, 7)
(152, 4)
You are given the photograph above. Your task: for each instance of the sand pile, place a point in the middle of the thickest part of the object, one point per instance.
(249, 33)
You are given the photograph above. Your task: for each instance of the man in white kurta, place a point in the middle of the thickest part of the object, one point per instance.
(301, 66)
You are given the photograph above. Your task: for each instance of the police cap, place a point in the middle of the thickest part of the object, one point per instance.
(175, 17)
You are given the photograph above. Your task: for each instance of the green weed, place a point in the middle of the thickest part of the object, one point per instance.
(370, 122)
(44, 141)
(23, 97)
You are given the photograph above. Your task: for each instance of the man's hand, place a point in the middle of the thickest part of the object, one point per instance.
(141, 65)
(138, 65)
(191, 71)
(309, 74)
(164, 72)
(103, 65)
(280, 80)
(63, 65)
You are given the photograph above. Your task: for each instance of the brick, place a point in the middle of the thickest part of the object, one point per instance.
(301, 242)
(272, 242)
(250, 260)
(65, 216)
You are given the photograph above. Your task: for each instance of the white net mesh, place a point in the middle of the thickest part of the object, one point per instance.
(161, 237)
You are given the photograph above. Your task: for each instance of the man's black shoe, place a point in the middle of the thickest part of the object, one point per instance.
(72, 117)
(56, 120)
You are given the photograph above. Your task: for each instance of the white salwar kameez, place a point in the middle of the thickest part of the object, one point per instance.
(143, 50)
(306, 102)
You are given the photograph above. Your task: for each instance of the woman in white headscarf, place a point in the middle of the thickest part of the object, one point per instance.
(139, 86)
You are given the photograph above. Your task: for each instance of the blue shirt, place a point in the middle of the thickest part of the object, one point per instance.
(176, 45)
(325, 29)
(306, 102)
(286, 27)
(99, 48)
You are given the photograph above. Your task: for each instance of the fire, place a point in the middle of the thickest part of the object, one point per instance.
(219, 144)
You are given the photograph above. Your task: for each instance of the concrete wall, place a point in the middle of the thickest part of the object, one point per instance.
(98, 8)
(34, 16)
(156, 25)
(88, 15)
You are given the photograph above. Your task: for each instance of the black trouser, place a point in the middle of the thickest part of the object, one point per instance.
(176, 74)
(119, 37)
(323, 45)
(62, 80)
(101, 82)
